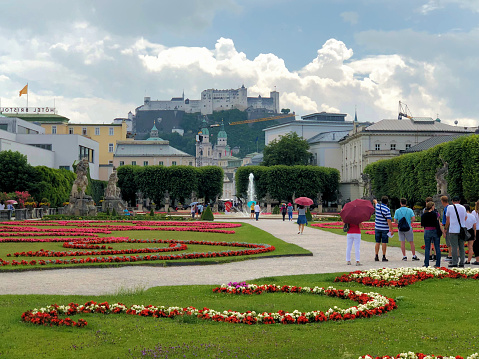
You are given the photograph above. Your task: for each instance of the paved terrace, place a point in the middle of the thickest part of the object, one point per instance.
(328, 257)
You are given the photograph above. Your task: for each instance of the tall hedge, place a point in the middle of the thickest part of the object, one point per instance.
(282, 182)
(179, 181)
(52, 184)
(413, 175)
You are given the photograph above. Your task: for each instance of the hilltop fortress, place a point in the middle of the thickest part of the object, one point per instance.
(213, 100)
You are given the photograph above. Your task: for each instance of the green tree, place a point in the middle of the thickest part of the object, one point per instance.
(210, 182)
(16, 174)
(289, 150)
(127, 183)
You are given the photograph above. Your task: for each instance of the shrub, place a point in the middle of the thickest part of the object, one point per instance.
(275, 210)
(207, 215)
(309, 216)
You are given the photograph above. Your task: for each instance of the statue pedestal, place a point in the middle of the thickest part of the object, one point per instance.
(113, 203)
(80, 207)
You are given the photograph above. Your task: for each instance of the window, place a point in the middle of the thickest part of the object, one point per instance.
(84, 131)
(393, 146)
(408, 145)
(161, 163)
(378, 146)
(54, 130)
(145, 163)
(173, 163)
(110, 162)
(133, 163)
(190, 163)
(122, 163)
(110, 147)
(70, 130)
(85, 152)
(97, 131)
(44, 146)
(111, 131)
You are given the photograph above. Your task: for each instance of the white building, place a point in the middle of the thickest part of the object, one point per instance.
(54, 151)
(382, 140)
(213, 100)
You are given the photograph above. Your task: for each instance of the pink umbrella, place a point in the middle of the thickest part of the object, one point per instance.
(357, 211)
(11, 201)
(304, 201)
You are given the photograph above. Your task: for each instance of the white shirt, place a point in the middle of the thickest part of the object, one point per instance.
(2, 206)
(470, 221)
(451, 213)
(257, 208)
(476, 216)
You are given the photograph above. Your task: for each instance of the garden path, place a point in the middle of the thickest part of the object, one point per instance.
(328, 257)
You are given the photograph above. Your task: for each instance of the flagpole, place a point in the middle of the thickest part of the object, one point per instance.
(27, 96)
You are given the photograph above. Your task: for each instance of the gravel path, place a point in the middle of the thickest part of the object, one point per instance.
(328, 257)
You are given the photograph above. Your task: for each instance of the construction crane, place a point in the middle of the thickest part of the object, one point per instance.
(262, 119)
(404, 111)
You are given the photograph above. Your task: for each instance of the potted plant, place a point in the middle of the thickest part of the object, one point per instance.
(45, 204)
(30, 203)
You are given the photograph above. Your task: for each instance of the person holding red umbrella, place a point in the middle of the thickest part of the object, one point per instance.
(353, 214)
(302, 221)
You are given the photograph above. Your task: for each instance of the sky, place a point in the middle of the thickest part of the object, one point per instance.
(96, 60)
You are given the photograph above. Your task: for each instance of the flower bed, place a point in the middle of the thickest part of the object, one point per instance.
(97, 249)
(370, 304)
(401, 277)
(412, 355)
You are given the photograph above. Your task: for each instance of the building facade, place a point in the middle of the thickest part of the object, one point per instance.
(213, 100)
(383, 140)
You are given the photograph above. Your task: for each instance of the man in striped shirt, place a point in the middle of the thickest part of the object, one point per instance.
(383, 226)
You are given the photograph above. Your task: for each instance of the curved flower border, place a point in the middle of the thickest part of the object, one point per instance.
(412, 355)
(370, 304)
(401, 277)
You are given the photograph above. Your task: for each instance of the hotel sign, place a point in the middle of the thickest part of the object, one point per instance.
(30, 110)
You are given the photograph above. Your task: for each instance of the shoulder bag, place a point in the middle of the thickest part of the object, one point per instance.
(463, 232)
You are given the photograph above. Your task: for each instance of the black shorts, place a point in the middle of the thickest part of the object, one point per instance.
(252, 211)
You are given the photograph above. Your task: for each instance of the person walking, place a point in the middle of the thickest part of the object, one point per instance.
(430, 222)
(302, 221)
(290, 211)
(283, 210)
(353, 237)
(383, 227)
(455, 219)
(193, 211)
(257, 209)
(404, 217)
(471, 228)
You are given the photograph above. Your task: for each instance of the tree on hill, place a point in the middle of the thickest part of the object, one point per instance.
(16, 173)
(289, 150)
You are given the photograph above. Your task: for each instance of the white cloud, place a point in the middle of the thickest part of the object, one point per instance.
(433, 5)
(351, 17)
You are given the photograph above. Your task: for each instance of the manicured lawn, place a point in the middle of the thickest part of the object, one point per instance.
(437, 316)
(245, 233)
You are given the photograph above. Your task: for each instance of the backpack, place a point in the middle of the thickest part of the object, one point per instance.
(403, 226)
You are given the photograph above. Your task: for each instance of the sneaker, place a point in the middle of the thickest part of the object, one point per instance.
(376, 258)
(404, 258)
(358, 264)
(452, 265)
(385, 259)
(415, 258)
(476, 263)
(461, 265)
(348, 263)
(448, 259)
(467, 262)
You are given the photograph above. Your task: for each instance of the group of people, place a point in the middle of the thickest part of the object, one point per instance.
(196, 210)
(9, 206)
(458, 225)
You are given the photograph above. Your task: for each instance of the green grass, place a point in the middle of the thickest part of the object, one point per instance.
(436, 316)
(245, 233)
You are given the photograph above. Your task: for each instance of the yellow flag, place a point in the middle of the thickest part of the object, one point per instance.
(24, 91)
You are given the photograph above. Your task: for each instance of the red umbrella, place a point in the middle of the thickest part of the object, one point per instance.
(357, 211)
(303, 201)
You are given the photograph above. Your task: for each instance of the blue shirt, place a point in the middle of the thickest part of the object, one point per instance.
(404, 212)
(382, 215)
(290, 209)
(444, 219)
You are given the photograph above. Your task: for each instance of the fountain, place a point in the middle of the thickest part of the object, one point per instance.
(251, 191)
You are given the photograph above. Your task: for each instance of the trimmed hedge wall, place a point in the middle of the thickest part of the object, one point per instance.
(283, 181)
(179, 181)
(412, 176)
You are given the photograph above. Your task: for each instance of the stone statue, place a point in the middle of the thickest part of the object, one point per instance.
(81, 182)
(367, 186)
(112, 190)
(80, 204)
(112, 199)
(441, 174)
